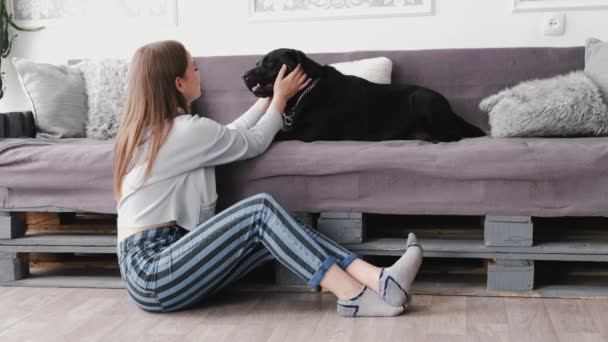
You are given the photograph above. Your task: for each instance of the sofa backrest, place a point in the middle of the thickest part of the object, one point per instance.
(464, 76)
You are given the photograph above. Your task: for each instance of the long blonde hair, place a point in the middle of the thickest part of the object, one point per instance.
(151, 105)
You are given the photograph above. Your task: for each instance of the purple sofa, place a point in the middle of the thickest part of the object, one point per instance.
(481, 176)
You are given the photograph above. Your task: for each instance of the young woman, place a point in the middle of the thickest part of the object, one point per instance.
(173, 250)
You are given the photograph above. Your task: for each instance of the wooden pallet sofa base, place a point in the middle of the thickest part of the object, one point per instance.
(506, 245)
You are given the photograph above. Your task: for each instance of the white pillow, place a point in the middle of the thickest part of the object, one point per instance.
(57, 97)
(377, 70)
(106, 88)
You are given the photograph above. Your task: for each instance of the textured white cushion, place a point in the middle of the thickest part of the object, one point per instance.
(57, 97)
(106, 88)
(377, 70)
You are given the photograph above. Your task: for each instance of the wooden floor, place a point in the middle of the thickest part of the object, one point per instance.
(55, 314)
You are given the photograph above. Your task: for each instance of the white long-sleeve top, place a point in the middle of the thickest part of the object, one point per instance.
(181, 186)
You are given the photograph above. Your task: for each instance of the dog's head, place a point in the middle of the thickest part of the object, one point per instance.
(260, 80)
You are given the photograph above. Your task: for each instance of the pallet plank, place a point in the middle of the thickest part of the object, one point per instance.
(342, 227)
(13, 268)
(12, 225)
(62, 240)
(61, 244)
(508, 231)
(80, 281)
(306, 218)
(573, 251)
(511, 275)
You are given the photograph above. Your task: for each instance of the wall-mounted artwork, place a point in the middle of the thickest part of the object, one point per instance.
(551, 5)
(284, 10)
(48, 11)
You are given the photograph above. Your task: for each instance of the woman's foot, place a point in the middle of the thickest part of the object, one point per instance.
(366, 303)
(395, 281)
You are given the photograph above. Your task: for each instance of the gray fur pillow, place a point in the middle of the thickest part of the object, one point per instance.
(106, 87)
(564, 105)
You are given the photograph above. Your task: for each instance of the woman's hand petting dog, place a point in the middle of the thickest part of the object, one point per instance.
(286, 87)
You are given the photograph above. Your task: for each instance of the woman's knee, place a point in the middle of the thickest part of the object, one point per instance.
(267, 199)
(263, 195)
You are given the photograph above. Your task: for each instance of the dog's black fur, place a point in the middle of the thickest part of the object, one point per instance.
(341, 107)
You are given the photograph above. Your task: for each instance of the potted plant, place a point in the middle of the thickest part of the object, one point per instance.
(6, 40)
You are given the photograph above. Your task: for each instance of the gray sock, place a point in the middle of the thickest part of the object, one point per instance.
(395, 281)
(366, 303)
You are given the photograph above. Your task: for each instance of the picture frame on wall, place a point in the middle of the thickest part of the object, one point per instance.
(293, 10)
(55, 12)
(552, 5)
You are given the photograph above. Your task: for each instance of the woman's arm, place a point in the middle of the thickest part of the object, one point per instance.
(196, 142)
(252, 115)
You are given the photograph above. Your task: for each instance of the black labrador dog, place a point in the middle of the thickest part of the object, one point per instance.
(335, 106)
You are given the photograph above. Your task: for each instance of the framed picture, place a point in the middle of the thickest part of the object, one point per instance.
(289, 10)
(45, 12)
(551, 5)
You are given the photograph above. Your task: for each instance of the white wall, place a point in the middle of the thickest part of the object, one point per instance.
(220, 27)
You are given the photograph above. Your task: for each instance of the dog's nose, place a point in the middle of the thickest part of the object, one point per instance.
(245, 77)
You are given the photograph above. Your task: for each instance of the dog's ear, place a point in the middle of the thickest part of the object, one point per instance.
(295, 56)
(312, 68)
(300, 56)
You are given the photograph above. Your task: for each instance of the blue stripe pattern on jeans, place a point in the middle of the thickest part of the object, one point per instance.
(170, 268)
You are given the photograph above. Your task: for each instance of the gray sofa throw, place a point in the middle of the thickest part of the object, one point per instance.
(564, 105)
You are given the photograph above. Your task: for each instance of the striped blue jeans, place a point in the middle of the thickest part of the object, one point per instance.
(170, 268)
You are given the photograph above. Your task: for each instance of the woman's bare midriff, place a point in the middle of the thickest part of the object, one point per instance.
(124, 233)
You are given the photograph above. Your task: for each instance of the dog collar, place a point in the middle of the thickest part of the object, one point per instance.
(288, 118)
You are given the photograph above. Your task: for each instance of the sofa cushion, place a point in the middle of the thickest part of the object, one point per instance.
(57, 97)
(515, 176)
(596, 64)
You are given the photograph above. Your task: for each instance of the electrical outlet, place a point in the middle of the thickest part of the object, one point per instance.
(554, 24)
